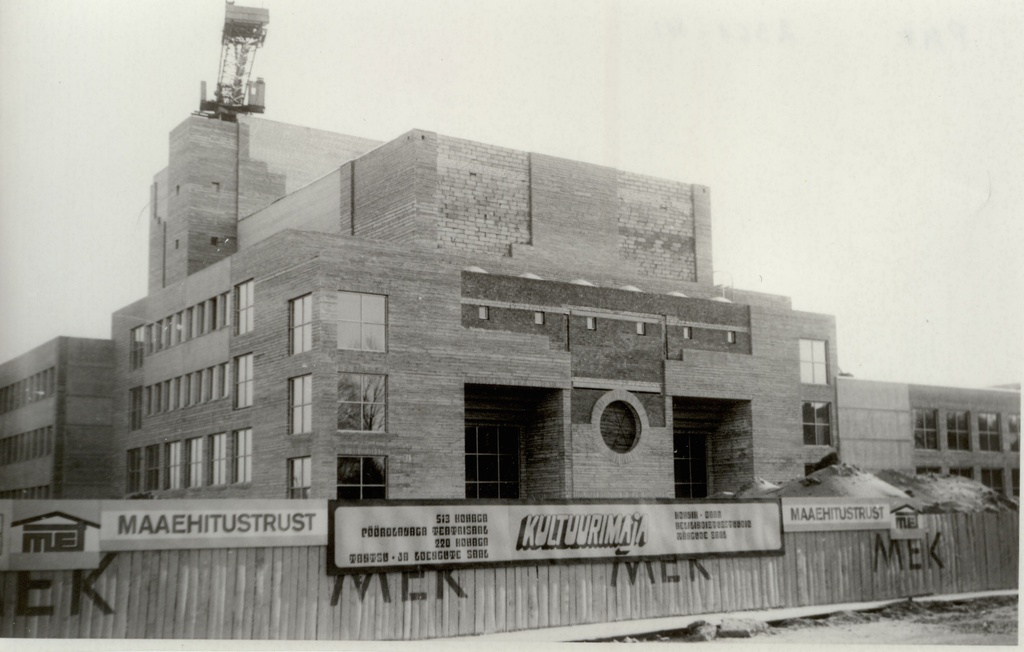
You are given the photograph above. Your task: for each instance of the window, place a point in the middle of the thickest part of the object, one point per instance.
(243, 381)
(538, 318)
(362, 402)
(921, 470)
(135, 408)
(218, 459)
(301, 324)
(730, 337)
(591, 323)
(817, 431)
(620, 427)
(138, 347)
(362, 321)
(484, 312)
(492, 462)
(926, 434)
(153, 467)
(299, 477)
(244, 295)
(993, 479)
(1015, 482)
(185, 390)
(689, 453)
(1013, 427)
(813, 363)
(242, 447)
(194, 470)
(958, 432)
(199, 319)
(988, 432)
(687, 333)
(965, 472)
(361, 478)
(172, 465)
(641, 328)
(134, 466)
(300, 391)
(225, 380)
(186, 325)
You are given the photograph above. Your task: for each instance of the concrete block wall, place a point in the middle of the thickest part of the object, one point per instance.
(656, 226)
(276, 159)
(394, 194)
(484, 203)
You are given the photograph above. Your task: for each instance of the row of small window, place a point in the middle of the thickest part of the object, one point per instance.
(26, 446)
(540, 318)
(958, 431)
(212, 460)
(190, 323)
(28, 493)
(29, 390)
(196, 388)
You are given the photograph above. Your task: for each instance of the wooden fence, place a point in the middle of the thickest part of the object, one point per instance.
(284, 593)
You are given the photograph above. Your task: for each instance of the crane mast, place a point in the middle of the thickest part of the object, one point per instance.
(245, 29)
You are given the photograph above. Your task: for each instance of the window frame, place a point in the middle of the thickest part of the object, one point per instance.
(218, 460)
(241, 456)
(173, 465)
(300, 484)
(362, 485)
(244, 383)
(136, 406)
(815, 424)
(502, 463)
(925, 437)
(362, 402)
(137, 348)
(957, 438)
(195, 462)
(300, 330)
(989, 438)
(133, 471)
(362, 322)
(813, 371)
(244, 307)
(678, 458)
(151, 469)
(300, 414)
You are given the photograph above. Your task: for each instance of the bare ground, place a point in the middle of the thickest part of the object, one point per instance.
(984, 621)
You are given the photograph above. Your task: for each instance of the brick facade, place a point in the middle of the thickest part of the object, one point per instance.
(58, 436)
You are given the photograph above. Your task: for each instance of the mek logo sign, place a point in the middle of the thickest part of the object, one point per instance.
(54, 532)
(906, 523)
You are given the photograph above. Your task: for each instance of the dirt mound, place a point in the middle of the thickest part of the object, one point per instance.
(835, 480)
(945, 493)
(758, 488)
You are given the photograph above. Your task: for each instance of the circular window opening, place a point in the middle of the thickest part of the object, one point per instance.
(619, 427)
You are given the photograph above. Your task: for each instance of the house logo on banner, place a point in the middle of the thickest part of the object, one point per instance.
(49, 534)
(906, 523)
(54, 532)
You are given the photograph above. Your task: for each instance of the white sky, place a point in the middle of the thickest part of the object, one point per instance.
(865, 158)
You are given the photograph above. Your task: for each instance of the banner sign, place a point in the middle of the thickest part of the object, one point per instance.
(49, 534)
(180, 524)
(823, 514)
(386, 535)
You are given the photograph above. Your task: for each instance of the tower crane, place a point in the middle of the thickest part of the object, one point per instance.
(245, 29)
